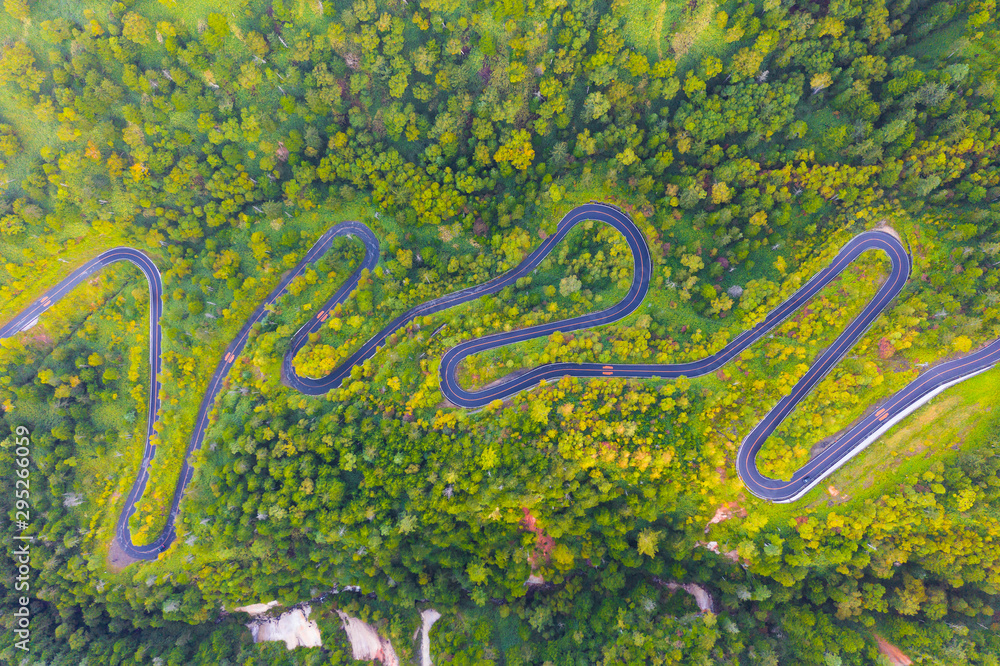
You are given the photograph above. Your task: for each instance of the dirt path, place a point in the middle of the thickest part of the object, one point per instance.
(429, 617)
(895, 655)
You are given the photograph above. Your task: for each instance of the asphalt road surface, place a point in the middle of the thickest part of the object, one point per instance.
(850, 443)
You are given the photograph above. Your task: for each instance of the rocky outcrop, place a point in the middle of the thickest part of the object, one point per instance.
(429, 617)
(725, 512)
(701, 596)
(294, 628)
(256, 609)
(366, 644)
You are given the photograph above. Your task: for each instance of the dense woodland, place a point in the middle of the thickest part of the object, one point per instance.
(747, 140)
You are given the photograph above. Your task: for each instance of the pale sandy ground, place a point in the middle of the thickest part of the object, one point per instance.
(429, 617)
(256, 609)
(293, 627)
(117, 559)
(701, 597)
(366, 644)
(884, 226)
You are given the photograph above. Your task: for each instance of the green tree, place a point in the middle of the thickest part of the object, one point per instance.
(569, 285)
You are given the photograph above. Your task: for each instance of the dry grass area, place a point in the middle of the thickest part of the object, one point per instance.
(963, 417)
(654, 26)
(943, 426)
(696, 25)
(658, 29)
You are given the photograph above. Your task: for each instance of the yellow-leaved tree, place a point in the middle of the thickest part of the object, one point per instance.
(517, 150)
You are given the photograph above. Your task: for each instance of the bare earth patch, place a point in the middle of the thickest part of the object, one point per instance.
(256, 609)
(366, 644)
(38, 337)
(543, 542)
(294, 628)
(117, 558)
(701, 596)
(883, 225)
(713, 546)
(725, 512)
(895, 655)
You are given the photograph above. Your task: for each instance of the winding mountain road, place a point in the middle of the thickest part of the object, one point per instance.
(854, 440)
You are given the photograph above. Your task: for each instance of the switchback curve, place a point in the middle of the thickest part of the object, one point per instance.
(859, 436)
